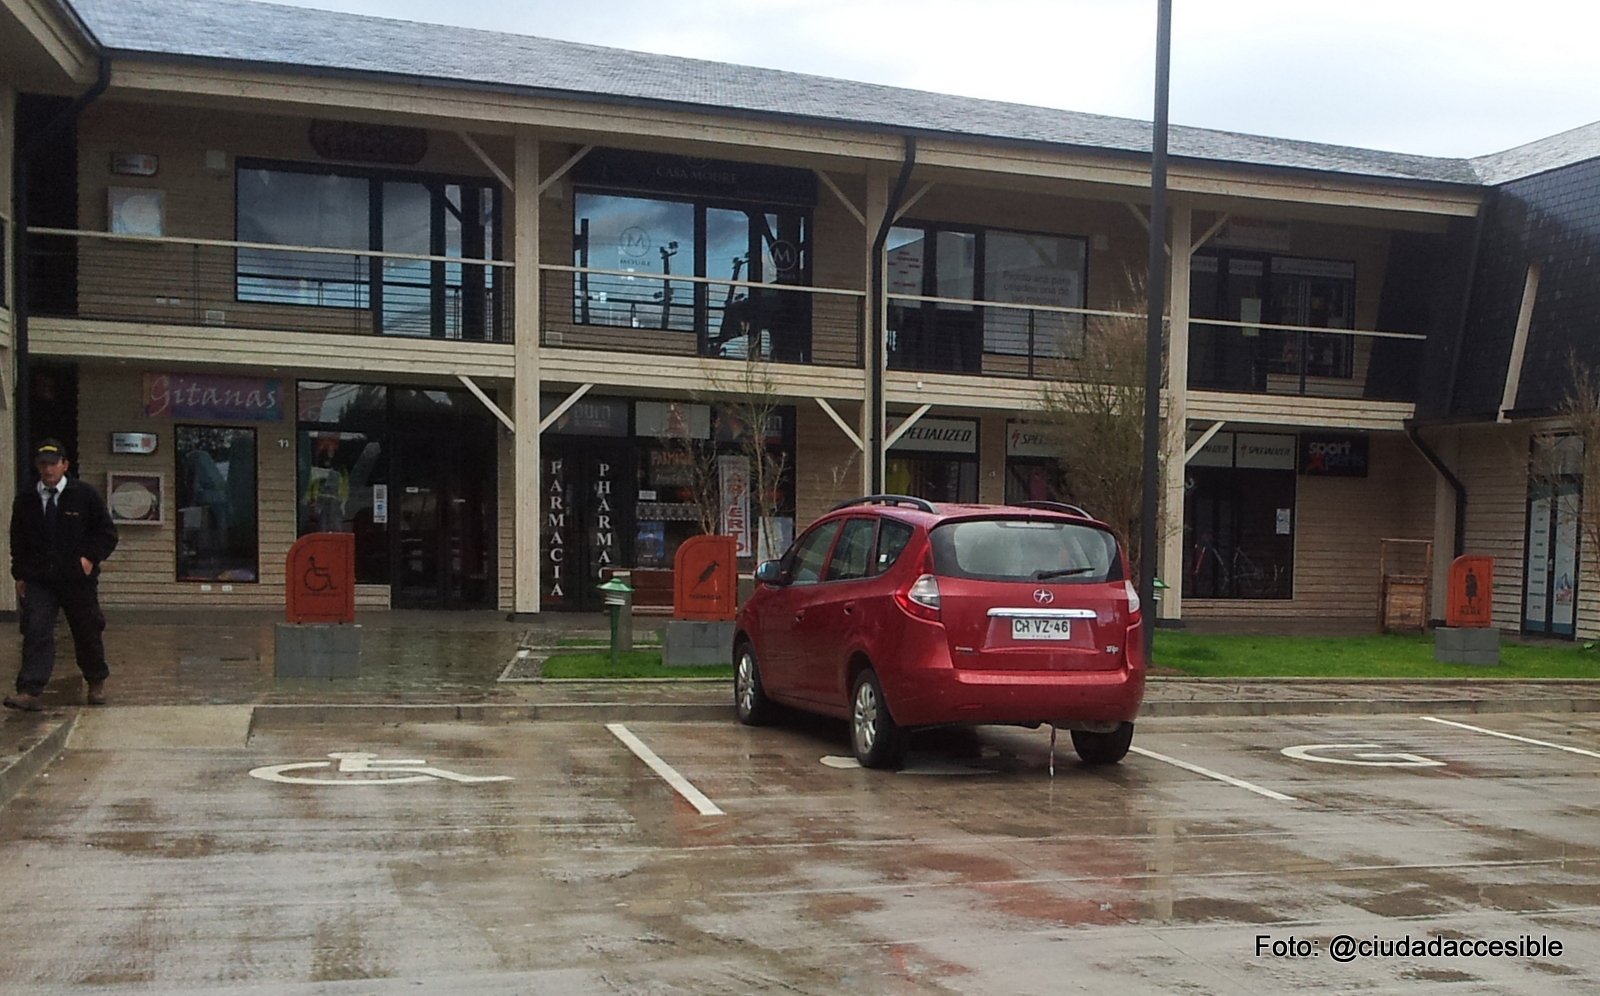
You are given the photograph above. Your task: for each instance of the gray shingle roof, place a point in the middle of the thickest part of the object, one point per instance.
(295, 38)
(1569, 147)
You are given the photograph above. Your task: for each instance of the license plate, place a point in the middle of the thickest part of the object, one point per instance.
(1041, 629)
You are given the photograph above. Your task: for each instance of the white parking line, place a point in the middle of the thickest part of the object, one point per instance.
(1219, 776)
(1513, 736)
(696, 798)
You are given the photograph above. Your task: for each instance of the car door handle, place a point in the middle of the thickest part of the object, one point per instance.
(801, 614)
(849, 607)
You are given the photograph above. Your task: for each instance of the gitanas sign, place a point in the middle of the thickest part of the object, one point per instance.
(243, 399)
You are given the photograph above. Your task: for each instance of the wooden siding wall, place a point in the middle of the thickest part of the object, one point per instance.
(1493, 464)
(143, 571)
(1338, 523)
(200, 204)
(827, 465)
(506, 489)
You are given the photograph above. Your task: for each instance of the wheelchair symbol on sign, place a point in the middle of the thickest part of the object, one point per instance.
(362, 768)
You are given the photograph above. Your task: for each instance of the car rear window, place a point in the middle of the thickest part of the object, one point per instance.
(1025, 550)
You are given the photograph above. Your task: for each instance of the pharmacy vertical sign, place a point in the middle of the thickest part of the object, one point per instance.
(733, 484)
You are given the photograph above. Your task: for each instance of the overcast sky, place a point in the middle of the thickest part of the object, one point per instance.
(1437, 77)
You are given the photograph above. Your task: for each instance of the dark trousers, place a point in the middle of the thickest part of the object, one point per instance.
(80, 600)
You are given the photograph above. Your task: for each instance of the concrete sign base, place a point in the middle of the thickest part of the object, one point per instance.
(1466, 645)
(317, 650)
(685, 642)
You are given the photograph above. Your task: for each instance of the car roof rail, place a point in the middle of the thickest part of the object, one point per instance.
(1055, 506)
(920, 504)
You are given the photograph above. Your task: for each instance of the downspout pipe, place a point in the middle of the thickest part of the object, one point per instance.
(876, 308)
(1414, 432)
(19, 264)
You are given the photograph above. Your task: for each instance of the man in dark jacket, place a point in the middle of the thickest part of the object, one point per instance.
(60, 532)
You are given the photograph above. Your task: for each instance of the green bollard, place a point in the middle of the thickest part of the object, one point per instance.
(616, 593)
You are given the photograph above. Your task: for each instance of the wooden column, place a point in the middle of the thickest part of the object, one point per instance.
(1175, 424)
(525, 446)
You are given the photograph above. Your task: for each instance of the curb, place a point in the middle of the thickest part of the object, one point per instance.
(1364, 707)
(266, 718)
(35, 757)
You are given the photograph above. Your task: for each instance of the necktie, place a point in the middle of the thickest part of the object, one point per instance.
(50, 512)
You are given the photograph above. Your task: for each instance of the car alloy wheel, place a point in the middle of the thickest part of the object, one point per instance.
(749, 698)
(878, 740)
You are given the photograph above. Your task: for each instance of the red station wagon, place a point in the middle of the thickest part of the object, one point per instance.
(894, 613)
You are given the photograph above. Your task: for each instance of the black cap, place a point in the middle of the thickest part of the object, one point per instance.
(49, 451)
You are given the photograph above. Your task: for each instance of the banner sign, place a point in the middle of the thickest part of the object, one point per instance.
(940, 435)
(733, 484)
(243, 399)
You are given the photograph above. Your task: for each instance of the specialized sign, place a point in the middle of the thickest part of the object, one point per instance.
(349, 768)
(1025, 439)
(940, 435)
(240, 399)
(1260, 451)
(320, 578)
(1370, 758)
(705, 579)
(1326, 455)
(1217, 452)
(1471, 598)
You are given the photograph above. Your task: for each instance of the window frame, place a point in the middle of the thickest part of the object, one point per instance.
(373, 279)
(838, 544)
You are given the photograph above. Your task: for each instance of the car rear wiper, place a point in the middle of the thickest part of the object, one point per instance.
(1064, 572)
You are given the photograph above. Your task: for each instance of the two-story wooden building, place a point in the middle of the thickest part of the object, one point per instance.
(466, 294)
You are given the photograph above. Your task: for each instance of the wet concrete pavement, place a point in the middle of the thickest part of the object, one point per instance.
(148, 859)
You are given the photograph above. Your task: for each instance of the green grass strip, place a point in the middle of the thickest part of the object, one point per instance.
(1394, 655)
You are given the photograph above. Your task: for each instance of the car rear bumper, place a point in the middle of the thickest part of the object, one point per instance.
(927, 690)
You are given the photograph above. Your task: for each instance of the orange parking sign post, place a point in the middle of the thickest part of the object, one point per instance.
(1471, 602)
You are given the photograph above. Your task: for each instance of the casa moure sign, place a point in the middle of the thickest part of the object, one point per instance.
(238, 399)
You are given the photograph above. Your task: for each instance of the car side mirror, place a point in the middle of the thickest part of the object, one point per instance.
(769, 572)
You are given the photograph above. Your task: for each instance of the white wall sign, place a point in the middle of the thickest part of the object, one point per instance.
(1217, 452)
(1024, 439)
(380, 504)
(1260, 451)
(733, 485)
(940, 435)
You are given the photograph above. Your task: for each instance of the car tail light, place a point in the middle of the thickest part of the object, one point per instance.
(1133, 598)
(922, 598)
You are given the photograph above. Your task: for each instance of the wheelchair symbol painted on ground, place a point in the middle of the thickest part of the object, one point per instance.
(362, 768)
(1370, 757)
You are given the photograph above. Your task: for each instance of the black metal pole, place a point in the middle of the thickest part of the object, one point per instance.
(1149, 535)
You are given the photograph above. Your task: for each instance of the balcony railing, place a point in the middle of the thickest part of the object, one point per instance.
(994, 338)
(588, 308)
(213, 282)
(1304, 361)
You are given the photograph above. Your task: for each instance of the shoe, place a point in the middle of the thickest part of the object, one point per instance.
(97, 692)
(24, 702)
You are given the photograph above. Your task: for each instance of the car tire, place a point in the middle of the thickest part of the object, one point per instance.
(750, 700)
(879, 741)
(1103, 748)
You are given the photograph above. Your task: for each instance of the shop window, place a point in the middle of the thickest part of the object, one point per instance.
(343, 478)
(318, 207)
(216, 475)
(1239, 533)
(936, 478)
(627, 248)
(1038, 479)
(960, 266)
(1248, 288)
